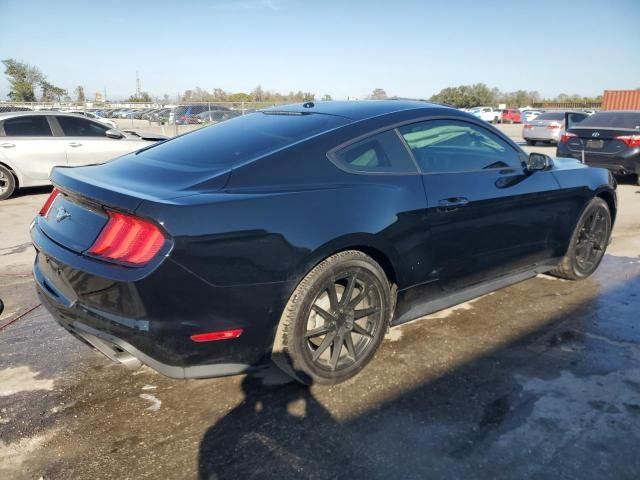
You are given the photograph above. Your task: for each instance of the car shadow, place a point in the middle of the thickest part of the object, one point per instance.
(555, 401)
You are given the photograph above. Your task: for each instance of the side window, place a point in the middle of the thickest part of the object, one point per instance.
(29, 126)
(81, 127)
(456, 146)
(381, 153)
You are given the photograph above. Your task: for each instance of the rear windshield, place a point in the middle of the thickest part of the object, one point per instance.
(235, 141)
(551, 116)
(613, 120)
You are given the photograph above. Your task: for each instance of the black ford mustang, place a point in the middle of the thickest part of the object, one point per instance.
(301, 233)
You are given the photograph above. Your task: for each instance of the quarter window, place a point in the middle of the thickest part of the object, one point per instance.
(381, 153)
(80, 127)
(28, 126)
(456, 146)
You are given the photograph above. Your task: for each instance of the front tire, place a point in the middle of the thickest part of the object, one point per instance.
(588, 242)
(335, 320)
(7, 183)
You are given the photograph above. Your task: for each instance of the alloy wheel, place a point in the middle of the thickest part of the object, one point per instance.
(592, 240)
(343, 321)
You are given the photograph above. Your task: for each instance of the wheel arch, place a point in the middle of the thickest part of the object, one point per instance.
(609, 197)
(384, 255)
(13, 172)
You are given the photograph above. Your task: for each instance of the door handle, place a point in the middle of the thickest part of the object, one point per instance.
(7, 145)
(452, 203)
(75, 144)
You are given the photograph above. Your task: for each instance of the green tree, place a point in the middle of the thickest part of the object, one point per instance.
(326, 97)
(240, 97)
(23, 79)
(51, 93)
(143, 98)
(465, 96)
(378, 94)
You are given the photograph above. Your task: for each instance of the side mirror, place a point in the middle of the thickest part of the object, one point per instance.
(115, 134)
(538, 161)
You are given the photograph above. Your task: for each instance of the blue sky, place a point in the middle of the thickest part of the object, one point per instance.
(344, 47)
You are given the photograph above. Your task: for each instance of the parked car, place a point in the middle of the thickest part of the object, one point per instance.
(608, 139)
(488, 114)
(228, 247)
(162, 116)
(530, 115)
(216, 115)
(549, 126)
(510, 115)
(186, 114)
(32, 143)
(97, 118)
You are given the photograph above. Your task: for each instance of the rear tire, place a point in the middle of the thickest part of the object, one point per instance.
(588, 242)
(325, 336)
(8, 183)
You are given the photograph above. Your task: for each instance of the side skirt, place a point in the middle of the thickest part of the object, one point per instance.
(470, 293)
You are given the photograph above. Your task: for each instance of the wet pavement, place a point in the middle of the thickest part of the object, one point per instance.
(539, 380)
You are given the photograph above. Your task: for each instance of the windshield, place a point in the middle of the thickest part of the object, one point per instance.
(551, 116)
(235, 141)
(613, 120)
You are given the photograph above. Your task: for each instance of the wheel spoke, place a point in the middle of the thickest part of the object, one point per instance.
(323, 313)
(348, 292)
(365, 312)
(328, 339)
(316, 332)
(358, 329)
(351, 350)
(361, 295)
(336, 348)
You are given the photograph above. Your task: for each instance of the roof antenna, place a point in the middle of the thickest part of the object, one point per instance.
(308, 105)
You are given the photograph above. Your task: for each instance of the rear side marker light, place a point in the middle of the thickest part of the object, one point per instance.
(215, 336)
(127, 239)
(630, 140)
(44, 211)
(553, 127)
(566, 137)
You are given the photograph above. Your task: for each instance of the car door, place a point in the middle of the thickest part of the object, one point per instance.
(87, 142)
(487, 215)
(28, 146)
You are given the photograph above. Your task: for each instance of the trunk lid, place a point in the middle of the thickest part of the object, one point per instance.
(77, 215)
(598, 140)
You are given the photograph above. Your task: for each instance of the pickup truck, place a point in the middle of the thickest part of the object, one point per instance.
(487, 114)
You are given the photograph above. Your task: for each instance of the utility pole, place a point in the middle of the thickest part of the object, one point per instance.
(137, 85)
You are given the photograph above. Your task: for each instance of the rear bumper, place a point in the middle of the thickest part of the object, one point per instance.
(616, 164)
(150, 320)
(551, 136)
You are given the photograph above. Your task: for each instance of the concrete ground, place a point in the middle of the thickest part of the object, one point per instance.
(539, 380)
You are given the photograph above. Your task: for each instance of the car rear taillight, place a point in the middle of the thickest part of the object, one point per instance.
(528, 126)
(127, 239)
(44, 211)
(567, 136)
(553, 127)
(630, 140)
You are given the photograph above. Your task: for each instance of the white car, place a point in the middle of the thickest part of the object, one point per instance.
(32, 143)
(95, 117)
(487, 114)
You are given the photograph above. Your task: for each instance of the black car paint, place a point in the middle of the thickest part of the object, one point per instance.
(240, 239)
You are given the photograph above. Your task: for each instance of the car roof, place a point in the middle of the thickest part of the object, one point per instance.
(355, 110)
(35, 112)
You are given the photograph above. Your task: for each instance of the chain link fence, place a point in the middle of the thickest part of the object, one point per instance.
(164, 119)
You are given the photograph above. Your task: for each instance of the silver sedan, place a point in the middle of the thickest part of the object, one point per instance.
(32, 143)
(549, 126)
